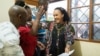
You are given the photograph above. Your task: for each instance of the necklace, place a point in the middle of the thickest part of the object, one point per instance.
(59, 29)
(58, 33)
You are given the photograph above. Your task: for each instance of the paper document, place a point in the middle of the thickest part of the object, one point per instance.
(67, 54)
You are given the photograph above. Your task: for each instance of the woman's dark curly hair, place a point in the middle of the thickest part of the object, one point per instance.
(66, 17)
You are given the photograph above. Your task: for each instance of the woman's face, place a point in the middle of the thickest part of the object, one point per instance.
(58, 16)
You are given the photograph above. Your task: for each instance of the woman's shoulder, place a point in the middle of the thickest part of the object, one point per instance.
(70, 28)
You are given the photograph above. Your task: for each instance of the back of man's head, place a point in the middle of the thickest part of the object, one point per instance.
(16, 10)
(17, 13)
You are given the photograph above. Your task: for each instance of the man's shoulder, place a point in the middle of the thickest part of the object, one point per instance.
(6, 27)
(3, 24)
(8, 34)
(24, 29)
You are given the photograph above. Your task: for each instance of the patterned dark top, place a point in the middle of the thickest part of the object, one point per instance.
(59, 36)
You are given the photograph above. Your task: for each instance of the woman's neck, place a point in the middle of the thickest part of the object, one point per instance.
(61, 23)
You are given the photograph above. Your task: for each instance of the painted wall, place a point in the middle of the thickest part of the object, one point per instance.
(52, 6)
(86, 49)
(4, 7)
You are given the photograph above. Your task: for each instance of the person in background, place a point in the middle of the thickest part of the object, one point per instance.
(28, 36)
(62, 33)
(41, 38)
(20, 3)
(39, 43)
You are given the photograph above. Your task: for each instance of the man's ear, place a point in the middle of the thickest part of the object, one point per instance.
(20, 16)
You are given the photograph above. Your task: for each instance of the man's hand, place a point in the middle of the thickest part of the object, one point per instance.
(35, 24)
(40, 45)
(42, 10)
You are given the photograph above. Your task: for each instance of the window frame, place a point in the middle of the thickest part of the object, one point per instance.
(91, 22)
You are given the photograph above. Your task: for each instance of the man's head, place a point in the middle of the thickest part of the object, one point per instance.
(18, 15)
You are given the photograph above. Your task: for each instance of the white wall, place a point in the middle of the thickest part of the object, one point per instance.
(6, 4)
(52, 6)
(4, 7)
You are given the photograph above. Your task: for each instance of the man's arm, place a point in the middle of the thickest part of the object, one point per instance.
(35, 23)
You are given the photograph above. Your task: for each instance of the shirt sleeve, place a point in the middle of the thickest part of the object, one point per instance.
(72, 29)
(70, 35)
(24, 35)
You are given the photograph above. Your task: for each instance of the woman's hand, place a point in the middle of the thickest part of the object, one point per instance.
(67, 48)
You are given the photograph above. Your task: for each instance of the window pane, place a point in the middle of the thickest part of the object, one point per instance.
(96, 31)
(81, 31)
(80, 15)
(78, 3)
(97, 1)
(96, 13)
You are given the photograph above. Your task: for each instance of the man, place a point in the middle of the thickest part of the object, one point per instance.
(28, 9)
(28, 36)
(9, 39)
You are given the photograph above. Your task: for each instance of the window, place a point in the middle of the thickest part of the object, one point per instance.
(85, 18)
(96, 20)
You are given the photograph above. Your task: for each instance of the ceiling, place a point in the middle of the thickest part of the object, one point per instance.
(51, 1)
(35, 2)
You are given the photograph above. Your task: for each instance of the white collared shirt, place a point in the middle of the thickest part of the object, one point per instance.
(9, 40)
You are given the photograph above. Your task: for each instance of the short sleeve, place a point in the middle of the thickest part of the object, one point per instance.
(24, 34)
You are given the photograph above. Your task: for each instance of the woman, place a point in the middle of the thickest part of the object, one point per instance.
(62, 33)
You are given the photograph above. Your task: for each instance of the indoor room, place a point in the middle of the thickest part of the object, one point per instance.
(82, 15)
